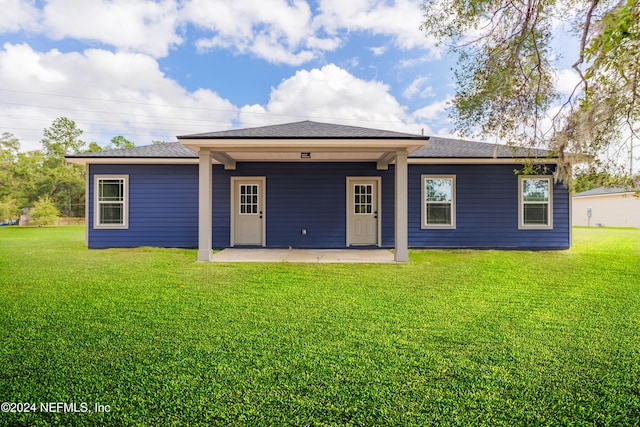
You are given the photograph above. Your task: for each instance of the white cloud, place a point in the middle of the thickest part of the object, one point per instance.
(436, 111)
(354, 62)
(413, 62)
(106, 93)
(419, 87)
(399, 19)
(329, 94)
(324, 44)
(377, 51)
(18, 15)
(282, 31)
(132, 25)
(566, 81)
(262, 46)
(278, 31)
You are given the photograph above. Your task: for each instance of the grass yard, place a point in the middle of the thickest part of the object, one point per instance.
(459, 338)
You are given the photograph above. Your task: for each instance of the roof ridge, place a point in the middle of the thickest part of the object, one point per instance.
(306, 129)
(604, 190)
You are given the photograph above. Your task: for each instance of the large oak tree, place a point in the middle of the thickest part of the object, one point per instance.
(506, 77)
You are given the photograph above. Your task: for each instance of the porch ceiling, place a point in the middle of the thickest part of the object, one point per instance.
(228, 152)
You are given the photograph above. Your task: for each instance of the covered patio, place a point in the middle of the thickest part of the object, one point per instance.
(302, 142)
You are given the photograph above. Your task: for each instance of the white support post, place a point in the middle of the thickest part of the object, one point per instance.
(401, 216)
(205, 204)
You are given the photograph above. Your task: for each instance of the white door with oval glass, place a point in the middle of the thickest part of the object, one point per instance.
(248, 216)
(363, 211)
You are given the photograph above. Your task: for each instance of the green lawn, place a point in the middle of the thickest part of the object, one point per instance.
(450, 338)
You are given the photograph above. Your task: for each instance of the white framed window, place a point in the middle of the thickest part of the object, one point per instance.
(111, 195)
(535, 202)
(438, 201)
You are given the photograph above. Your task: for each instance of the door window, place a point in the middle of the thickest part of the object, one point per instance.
(363, 199)
(248, 199)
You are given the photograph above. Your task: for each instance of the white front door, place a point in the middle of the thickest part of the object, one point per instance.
(248, 216)
(363, 211)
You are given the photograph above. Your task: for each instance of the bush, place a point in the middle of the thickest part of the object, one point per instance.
(44, 212)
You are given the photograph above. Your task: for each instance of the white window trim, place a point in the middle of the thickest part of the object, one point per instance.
(423, 204)
(96, 204)
(521, 224)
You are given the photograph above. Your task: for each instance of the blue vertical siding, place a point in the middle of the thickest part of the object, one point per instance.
(163, 206)
(309, 196)
(486, 211)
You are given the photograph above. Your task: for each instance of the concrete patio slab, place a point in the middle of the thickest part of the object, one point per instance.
(347, 256)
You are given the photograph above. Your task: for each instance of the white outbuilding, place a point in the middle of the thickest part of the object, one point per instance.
(608, 207)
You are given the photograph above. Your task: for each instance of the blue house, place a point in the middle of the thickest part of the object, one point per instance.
(318, 185)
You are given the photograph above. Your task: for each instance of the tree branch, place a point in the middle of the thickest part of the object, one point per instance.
(583, 43)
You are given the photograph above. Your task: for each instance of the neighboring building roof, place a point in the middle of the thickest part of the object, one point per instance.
(603, 191)
(305, 130)
(456, 148)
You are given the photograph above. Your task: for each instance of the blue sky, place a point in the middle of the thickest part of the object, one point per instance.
(151, 70)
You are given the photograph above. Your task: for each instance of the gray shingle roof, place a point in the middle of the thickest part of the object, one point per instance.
(435, 147)
(305, 130)
(456, 148)
(601, 191)
(169, 150)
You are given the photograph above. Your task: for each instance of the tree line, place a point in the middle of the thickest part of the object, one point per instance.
(48, 186)
(41, 180)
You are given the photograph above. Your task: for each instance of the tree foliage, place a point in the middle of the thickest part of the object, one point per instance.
(44, 211)
(62, 137)
(506, 82)
(9, 151)
(9, 148)
(9, 210)
(62, 181)
(94, 147)
(589, 178)
(44, 175)
(118, 142)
